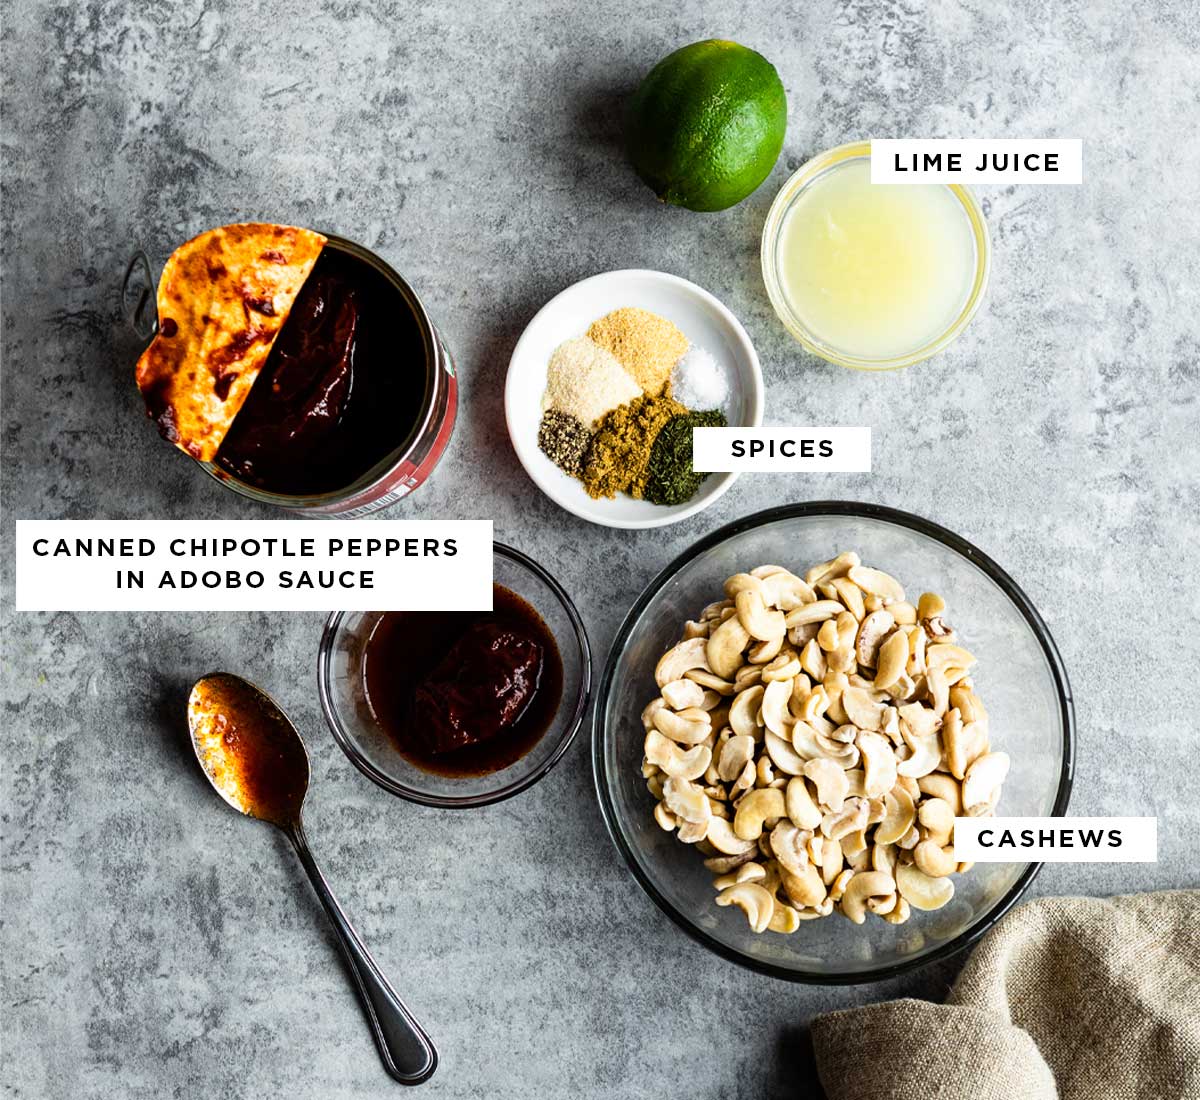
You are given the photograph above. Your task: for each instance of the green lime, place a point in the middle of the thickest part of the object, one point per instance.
(706, 125)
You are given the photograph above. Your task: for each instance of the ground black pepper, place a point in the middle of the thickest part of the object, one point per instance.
(671, 478)
(564, 440)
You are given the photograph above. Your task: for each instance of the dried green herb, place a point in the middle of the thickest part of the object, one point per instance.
(671, 478)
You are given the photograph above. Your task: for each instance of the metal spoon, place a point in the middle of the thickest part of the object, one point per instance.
(256, 761)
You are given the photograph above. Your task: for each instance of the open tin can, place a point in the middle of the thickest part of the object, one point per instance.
(408, 464)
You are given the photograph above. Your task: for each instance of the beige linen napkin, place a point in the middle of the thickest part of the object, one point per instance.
(1066, 999)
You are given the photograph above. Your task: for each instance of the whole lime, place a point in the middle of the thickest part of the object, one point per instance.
(706, 125)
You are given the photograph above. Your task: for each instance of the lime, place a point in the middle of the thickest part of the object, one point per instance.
(706, 125)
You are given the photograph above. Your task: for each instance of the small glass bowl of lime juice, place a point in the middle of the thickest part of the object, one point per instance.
(873, 276)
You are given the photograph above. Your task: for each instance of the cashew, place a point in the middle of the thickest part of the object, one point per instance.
(967, 703)
(799, 805)
(735, 753)
(945, 787)
(917, 722)
(752, 900)
(930, 605)
(784, 667)
(786, 591)
(725, 646)
(747, 676)
(673, 760)
(784, 919)
(816, 612)
(747, 872)
(838, 887)
(805, 888)
(838, 824)
(743, 582)
(862, 709)
(743, 711)
(650, 710)
(831, 860)
(935, 861)
(710, 680)
(686, 801)
(866, 884)
(945, 655)
(938, 689)
(920, 890)
(775, 714)
(830, 781)
(835, 567)
(760, 622)
(851, 595)
(680, 694)
(812, 660)
(722, 837)
(765, 776)
(879, 765)
(883, 858)
(664, 817)
(925, 758)
(854, 847)
(692, 832)
(688, 727)
(936, 816)
(871, 633)
(964, 743)
(684, 657)
(898, 815)
(875, 582)
(744, 781)
(759, 806)
(789, 846)
(981, 784)
(783, 756)
(893, 656)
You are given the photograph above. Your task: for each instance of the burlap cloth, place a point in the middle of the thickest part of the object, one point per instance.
(1066, 999)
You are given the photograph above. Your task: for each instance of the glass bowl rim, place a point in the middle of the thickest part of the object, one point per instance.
(902, 519)
(800, 180)
(454, 802)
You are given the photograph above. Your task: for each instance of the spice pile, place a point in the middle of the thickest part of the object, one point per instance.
(621, 402)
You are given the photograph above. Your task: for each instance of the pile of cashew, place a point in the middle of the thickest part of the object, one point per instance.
(815, 738)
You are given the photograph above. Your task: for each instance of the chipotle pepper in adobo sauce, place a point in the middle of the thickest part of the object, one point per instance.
(464, 693)
(341, 389)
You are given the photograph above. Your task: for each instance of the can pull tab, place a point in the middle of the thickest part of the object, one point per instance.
(137, 295)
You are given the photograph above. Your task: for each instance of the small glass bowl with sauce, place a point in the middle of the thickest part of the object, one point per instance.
(873, 276)
(371, 713)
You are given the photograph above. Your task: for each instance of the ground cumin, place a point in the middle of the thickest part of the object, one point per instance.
(647, 345)
(619, 454)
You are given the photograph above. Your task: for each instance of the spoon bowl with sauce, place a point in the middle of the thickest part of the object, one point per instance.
(255, 760)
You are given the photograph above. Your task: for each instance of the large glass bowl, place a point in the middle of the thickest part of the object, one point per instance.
(1020, 678)
(340, 685)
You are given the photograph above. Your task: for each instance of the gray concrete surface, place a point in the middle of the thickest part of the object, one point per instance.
(153, 944)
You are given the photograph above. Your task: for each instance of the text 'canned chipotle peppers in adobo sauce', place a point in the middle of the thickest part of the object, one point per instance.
(464, 693)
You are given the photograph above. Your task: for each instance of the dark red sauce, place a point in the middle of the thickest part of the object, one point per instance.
(342, 387)
(250, 751)
(464, 693)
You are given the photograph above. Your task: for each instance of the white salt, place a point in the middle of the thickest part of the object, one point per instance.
(699, 381)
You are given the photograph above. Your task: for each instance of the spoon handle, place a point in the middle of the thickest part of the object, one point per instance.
(407, 1053)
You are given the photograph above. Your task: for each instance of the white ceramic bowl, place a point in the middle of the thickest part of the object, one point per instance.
(702, 319)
